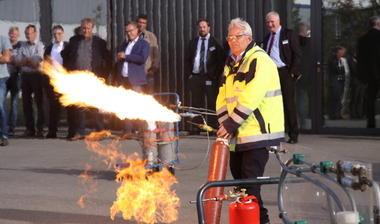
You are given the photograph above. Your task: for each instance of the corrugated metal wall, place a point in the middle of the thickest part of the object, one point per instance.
(175, 23)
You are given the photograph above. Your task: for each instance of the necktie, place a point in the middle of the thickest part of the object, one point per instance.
(202, 57)
(271, 42)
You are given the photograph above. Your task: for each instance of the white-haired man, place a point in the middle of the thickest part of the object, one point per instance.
(249, 107)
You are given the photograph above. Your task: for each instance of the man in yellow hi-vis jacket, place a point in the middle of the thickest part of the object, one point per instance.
(249, 107)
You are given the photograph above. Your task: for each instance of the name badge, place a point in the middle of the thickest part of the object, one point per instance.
(208, 83)
(285, 41)
(212, 48)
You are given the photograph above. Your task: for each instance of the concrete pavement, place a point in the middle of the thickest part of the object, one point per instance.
(39, 180)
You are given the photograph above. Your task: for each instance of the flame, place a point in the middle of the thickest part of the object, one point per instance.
(88, 181)
(146, 198)
(83, 88)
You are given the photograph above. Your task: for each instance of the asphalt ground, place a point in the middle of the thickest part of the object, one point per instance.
(39, 180)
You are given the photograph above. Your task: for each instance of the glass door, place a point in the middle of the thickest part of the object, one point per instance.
(329, 98)
(344, 96)
(299, 19)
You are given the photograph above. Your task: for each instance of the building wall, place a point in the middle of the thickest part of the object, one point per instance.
(175, 24)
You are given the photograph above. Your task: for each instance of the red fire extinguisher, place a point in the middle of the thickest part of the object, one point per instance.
(244, 211)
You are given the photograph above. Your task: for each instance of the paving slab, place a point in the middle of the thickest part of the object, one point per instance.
(39, 177)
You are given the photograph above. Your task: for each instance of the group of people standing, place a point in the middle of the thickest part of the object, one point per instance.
(253, 88)
(20, 69)
(206, 58)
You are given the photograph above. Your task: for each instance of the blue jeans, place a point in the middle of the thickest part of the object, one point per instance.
(81, 119)
(13, 86)
(126, 123)
(3, 111)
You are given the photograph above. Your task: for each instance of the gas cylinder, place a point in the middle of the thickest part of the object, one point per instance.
(244, 210)
(217, 170)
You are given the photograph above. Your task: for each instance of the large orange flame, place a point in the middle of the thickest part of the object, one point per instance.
(146, 198)
(143, 196)
(83, 88)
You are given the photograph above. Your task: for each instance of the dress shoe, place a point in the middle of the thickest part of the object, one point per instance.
(11, 132)
(28, 133)
(371, 125)
(123, 137)
(292, 141)
(4, 142)
(69, 136)
(40, 134)
(51, 135)
(77, 137)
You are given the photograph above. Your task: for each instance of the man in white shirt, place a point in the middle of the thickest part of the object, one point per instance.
(203, 67)
(131, 59)
(53, 54)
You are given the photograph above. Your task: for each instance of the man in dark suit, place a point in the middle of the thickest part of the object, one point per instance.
(85, 52)
(368, 56)
(204, 65)
(303, 86)
(336, 77)
(282, 45)
(53, 53)
(132, 56)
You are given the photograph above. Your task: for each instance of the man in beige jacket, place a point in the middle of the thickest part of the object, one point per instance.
(153, 63)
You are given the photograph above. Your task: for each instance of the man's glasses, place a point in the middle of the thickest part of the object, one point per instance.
(236, 36)
(128, 31)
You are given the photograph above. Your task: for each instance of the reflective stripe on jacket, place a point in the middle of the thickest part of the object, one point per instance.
(249, 103)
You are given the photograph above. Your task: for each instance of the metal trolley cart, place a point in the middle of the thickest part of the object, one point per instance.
(314, 187)
(161, 139)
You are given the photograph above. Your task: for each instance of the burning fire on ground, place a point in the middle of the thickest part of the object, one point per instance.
(146, 197)
(143, 195)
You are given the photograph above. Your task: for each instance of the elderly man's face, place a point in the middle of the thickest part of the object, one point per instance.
(241, 40)
(273, 22)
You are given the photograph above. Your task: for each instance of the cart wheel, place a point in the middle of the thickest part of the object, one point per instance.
(172, 170)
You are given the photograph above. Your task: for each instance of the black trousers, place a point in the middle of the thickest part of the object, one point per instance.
(32, 84)
(54, 105)
(200, 86)
(287, 89)
(251, 164)
(372, 89)
(72, 120)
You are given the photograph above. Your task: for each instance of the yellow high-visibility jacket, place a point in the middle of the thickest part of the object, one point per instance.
(249, 103)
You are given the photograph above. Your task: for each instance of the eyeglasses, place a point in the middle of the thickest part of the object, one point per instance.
(236, 36)
(128, 31)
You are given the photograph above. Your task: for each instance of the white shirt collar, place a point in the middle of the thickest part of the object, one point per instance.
(206, 37)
